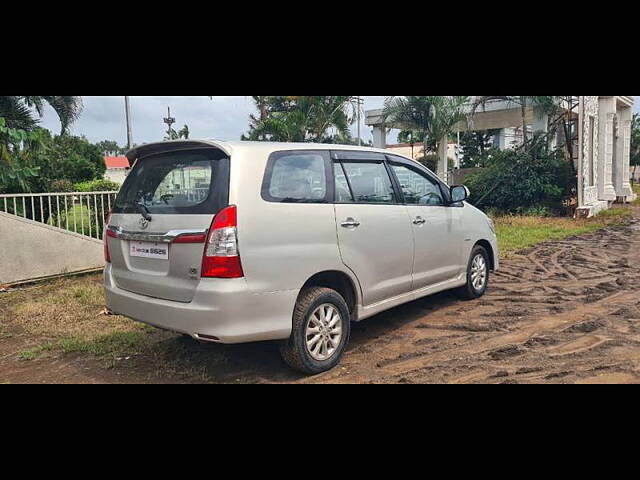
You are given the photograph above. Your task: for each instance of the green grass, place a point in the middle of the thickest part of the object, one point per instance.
(117, 343)
(33, 353)
(113, 344)
(636, 189)
(519, 232)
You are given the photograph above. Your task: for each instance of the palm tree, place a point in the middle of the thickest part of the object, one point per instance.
(433, 117)
(19, 110)
(302, 119)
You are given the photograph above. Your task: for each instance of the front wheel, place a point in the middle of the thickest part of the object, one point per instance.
(320, 331)
(477, 274)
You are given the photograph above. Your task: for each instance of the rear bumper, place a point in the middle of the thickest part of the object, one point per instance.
(221, 308)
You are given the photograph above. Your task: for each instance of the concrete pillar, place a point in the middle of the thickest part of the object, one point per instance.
(622, 152)
(540, 120)
(379, 136)
(606, 147)
(443, 161)
(499, 139)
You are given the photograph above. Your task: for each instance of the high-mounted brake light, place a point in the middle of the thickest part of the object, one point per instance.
(221, 258)
(107, 234)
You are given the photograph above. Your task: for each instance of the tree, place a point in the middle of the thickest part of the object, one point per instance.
(323, 119)
(111, 147)
(17, 149)
(433, 117)
(515, 181)
(475, 146)
(18, 111)
(634, 159)
(176, 135)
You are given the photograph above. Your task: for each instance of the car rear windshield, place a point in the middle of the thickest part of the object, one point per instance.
(187, 182)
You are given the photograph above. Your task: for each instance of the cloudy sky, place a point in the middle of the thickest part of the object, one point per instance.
(224, 118)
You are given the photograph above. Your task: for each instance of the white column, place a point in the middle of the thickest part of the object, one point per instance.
(443, 161)
(499, 139)
(540, 120)
(623, 150)
(606, 114)
(379, 136)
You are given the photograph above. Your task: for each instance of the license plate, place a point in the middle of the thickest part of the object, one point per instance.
(156, 250)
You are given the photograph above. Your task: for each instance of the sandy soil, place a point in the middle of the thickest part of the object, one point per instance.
(562, 312)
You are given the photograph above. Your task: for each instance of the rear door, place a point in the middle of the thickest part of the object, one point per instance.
(374, 229)
(435, 225)
(180, 191)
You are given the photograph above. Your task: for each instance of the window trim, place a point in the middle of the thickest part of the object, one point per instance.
(268, 174)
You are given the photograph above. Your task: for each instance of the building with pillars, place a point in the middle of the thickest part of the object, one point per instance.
(601, 141)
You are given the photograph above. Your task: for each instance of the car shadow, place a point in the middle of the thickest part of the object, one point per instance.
(191, 361)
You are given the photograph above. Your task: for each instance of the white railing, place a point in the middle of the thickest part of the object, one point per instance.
(80, 212)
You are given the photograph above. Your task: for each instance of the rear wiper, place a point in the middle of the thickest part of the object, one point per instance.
(144, 211)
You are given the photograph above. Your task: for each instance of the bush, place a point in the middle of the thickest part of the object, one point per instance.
(97, 185)
(535, 181)
(61, 186)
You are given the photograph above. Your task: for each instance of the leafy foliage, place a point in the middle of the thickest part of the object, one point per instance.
(176, 135)
(517, 180)
(35, 161)
(97, 185)
(476, 146)
(432, 117)
(17, 151)
(110, 147)
(18, 110)
(324, 119)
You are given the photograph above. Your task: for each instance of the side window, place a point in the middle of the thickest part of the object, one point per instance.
(370, 182)
(343, 192)
(417, 188)
(296, 177)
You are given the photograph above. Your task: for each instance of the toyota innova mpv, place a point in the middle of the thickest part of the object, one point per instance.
(246, 241)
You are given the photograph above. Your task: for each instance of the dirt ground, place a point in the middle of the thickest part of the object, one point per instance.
(562, 312)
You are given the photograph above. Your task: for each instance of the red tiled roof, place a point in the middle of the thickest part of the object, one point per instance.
(116, 162)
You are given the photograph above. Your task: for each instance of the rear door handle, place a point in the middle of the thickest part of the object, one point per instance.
(419, 220)
(350, 222)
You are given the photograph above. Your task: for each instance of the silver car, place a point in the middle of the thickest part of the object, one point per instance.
(245, 241)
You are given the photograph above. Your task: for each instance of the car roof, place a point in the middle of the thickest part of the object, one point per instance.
(233, 147)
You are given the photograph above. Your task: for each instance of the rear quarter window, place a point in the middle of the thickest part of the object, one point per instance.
(297, 177)
(188, 182)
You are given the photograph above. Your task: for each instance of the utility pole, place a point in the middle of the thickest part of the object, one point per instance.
(127, 110)
(359, 102)
(169, 120)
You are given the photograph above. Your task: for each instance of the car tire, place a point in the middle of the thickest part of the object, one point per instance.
(477, 274)
(315, 345)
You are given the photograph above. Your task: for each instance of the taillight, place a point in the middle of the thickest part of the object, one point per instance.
(105, 236)
(221, 258)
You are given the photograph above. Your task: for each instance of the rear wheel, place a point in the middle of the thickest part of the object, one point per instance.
(320, 331)
(477, 274)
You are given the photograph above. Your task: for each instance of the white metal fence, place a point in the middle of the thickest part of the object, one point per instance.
(80, 212)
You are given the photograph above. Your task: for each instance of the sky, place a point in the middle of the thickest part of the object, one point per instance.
(223, 118)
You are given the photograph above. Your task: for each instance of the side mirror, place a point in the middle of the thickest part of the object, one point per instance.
(459, 193)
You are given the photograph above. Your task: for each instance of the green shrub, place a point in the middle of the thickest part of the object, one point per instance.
(535, 181)
(97, 185)
(61, 186)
